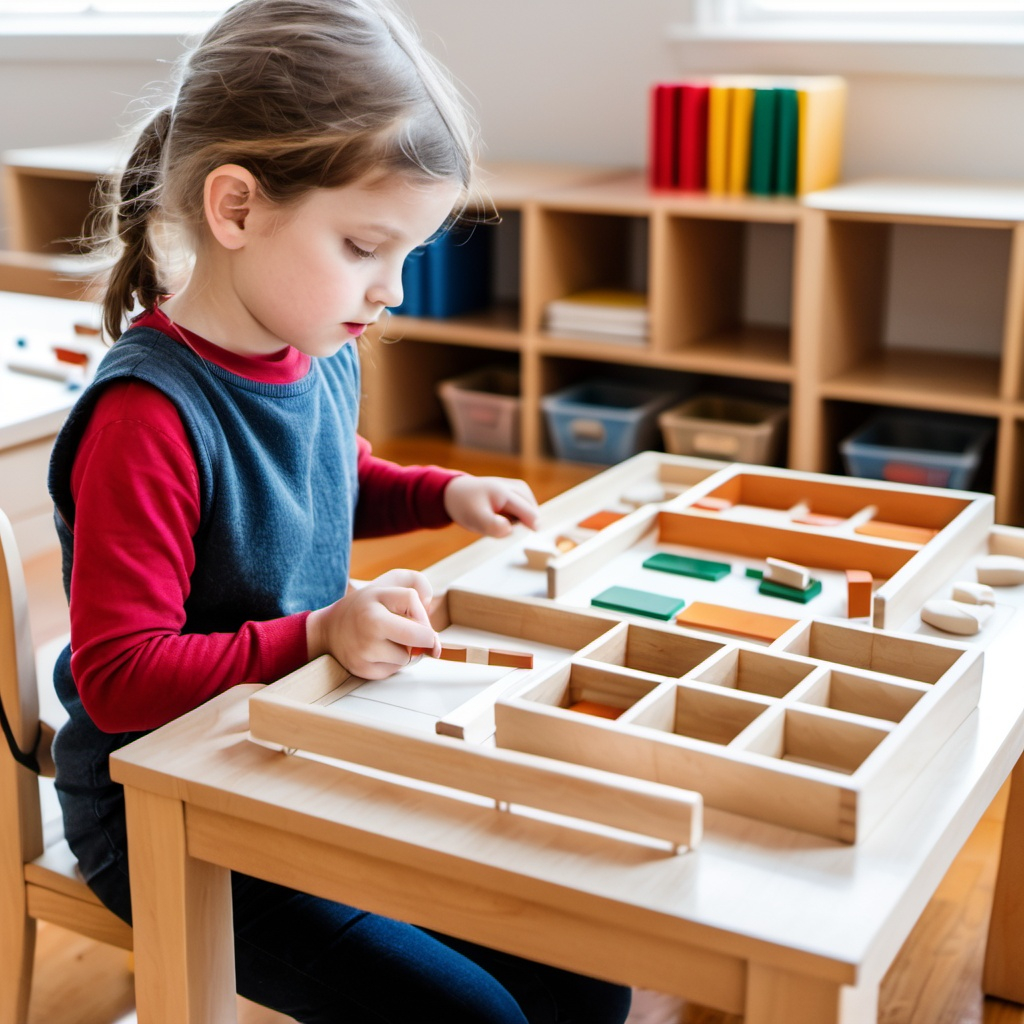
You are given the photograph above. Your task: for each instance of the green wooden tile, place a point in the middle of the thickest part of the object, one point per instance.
(683, 565)
(638, 602)
(755, 574)
(773, 589)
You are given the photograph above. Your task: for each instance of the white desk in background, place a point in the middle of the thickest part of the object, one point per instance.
(33, 407)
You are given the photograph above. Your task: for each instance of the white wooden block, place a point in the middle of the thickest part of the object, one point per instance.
(540, 551)
(477, 655)
(643, 494)
(955, 616)
(1001, 570)
(789, 574)
(970, 592)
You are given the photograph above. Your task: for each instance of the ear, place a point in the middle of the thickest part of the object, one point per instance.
(229, 195)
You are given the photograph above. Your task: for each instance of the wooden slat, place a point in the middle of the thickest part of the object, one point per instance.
(507, 776)
(86, 917)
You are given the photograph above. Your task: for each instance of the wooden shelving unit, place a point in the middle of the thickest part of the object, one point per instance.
(826, 279)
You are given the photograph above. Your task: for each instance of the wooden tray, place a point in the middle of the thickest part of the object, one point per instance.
(324, 710)
(819, 727)
(820, 731)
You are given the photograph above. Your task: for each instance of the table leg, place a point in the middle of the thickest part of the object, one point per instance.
(775, 996)
(181, 907)
(1004, 955)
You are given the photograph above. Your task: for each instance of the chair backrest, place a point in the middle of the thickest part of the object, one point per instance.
(19, 697)
(39, 878)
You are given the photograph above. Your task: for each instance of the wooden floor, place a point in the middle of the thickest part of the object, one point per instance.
(936, 979)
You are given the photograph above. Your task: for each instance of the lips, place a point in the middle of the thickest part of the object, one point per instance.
(354, 329)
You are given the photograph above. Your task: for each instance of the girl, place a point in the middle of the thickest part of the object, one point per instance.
(209, 482)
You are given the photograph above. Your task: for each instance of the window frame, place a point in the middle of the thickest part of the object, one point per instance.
(737, 36)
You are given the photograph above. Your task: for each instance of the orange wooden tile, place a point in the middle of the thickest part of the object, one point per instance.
(599, 520)
(734, 621)
(896, 531)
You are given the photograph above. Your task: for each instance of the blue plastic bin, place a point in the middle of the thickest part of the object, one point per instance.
(603, 421)
(908, 449)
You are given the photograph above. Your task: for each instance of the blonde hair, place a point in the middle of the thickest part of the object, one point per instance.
(304, 94)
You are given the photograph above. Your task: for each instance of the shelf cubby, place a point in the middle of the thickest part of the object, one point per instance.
(721, 293)
(841, 419)
(401, 379)
(878, 294)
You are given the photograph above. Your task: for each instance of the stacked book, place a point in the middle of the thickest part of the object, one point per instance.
(754, 134)
(449, 276)
(610, 314)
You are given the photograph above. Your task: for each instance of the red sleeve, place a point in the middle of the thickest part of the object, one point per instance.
(397, 499)
(136, 493)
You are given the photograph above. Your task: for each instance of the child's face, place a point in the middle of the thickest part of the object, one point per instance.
(315, 274)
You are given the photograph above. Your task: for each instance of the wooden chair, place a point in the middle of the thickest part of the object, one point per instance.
(38, 881)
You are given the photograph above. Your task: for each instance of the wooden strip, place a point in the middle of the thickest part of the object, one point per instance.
(755, 540)
(663, 812)
(734, 621)
(572, 568)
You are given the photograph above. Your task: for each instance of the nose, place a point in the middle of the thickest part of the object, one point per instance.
(386, 289)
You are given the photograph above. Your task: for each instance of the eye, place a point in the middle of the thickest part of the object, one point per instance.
(359, 252)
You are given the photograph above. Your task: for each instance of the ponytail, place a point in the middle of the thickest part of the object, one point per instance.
(134, 276)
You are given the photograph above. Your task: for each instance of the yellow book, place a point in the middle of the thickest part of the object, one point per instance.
(741, 117)
(719, 107)
(822, 110)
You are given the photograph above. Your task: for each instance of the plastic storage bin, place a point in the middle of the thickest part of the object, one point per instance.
(721, 427)
(602, 421)
(483, 408)
(906, 449)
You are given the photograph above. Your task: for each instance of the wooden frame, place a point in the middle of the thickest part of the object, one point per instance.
(819, 728)
(906, 572)
(287, 713)
(819, 742)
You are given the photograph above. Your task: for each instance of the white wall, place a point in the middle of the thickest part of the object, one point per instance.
(567, 80)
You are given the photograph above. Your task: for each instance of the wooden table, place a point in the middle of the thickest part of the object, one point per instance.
(760, 920)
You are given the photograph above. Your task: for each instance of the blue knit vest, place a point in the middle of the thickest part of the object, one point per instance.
(278, 487)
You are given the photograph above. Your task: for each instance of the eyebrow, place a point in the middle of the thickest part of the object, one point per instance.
(389, 233)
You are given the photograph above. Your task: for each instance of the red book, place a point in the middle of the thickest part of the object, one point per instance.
(664, 169)
(693, 135)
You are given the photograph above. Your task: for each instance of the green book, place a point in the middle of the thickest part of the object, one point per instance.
(786, 139)
(761, 179)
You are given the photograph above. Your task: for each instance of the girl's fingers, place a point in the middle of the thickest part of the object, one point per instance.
(520, 509)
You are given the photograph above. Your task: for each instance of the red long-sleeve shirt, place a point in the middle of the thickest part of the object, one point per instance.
(136, 492)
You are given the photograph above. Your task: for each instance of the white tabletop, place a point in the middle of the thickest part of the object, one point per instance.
(34, 407)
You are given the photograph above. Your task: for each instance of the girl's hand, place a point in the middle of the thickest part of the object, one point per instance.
(371, 630)
(490, 504)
